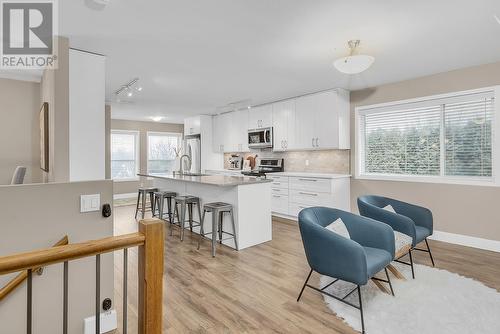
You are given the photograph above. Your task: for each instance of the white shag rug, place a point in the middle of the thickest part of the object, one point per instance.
(437, 301)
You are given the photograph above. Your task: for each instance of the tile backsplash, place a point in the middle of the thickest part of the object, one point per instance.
(326, 161)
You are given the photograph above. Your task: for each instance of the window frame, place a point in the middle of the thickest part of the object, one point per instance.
(137, 154)
(359, 144)
(159, 133)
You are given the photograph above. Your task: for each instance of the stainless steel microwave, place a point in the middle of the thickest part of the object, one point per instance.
(260, 138)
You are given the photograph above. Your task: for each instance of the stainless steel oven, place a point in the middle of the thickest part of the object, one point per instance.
(260, 138)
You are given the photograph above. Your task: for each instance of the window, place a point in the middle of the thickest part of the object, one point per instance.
(124, 154)
(445, 138)
(162, 151)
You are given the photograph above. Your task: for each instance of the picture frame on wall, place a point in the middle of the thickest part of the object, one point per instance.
(44, 137)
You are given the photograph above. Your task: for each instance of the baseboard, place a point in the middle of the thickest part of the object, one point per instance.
(465, 240)
(451, 238)
(124, 196)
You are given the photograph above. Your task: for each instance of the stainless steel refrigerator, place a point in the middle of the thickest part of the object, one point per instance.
(192, 147)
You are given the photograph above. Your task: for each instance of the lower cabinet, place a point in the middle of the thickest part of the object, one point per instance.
(279, 203)
(291, 194)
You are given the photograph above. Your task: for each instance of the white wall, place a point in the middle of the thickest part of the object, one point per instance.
(86, 116)
(37, 216)
(19, 129)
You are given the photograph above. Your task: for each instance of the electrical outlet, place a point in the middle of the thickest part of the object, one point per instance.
(108, 323)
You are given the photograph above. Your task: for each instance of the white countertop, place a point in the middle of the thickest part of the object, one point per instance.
(296, 174)
(311, 174)
(216, 180)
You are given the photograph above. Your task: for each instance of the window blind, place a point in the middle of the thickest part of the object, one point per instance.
(403, 141)
(448, 137)
(467, 128)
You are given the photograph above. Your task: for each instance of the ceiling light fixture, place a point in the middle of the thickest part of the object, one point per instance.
(353, 64)
(157, 118)
(129, 88)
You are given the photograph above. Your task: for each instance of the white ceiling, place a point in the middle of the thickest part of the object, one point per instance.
(192, 56)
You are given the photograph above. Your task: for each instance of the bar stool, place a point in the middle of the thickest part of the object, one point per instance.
(159, 203)
(141, 193)
(186, 202)
(218, 209)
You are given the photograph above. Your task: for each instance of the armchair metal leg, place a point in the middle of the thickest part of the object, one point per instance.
(430, 253)
(411, 264)
(389, 281)
(361, 311)
(340, 299)
(304, 286)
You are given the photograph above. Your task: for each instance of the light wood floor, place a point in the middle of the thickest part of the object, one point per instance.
(254, 290)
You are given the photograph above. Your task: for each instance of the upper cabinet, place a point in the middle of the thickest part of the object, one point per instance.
(305, 115)
(260, 117)
(323, 120)
(230, 132)
(284, 125)
(240, 128)
(311, 122)
(192, 126)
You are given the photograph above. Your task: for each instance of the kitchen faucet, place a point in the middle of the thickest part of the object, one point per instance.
(182, 165)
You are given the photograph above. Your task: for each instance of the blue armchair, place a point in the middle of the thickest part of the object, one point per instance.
(409, 219)
(355, 260)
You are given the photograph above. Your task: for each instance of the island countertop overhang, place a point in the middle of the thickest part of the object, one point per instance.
(214, 180)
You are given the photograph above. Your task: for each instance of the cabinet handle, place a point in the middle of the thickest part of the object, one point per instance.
(312, 142)
(286, 143)
(310, 194)
(311, 180)
(317, 142)
(276, 196)
(274, 189)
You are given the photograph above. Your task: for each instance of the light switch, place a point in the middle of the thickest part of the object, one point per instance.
(89, 203)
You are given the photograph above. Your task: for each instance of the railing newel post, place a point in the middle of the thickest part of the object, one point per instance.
(151, 277)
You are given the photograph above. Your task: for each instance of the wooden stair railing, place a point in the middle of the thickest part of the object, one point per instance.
(149, 239)
(16, 281)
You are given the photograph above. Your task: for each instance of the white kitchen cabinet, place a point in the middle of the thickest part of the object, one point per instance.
(220, 125)
(305, 109)
(323, 120)
(230, 132)
(284, 125)
(332, 109)
(279, 203)
(260, 117)
(192, 126)
(239, 127)
(291, 194)
(279, 195)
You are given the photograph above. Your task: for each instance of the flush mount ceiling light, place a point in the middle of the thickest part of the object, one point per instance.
(156, 118)
(353, 64)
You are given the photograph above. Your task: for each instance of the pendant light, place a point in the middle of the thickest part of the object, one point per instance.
(353, 64)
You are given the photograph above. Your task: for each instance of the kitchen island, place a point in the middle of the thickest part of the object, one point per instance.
(250, 197)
